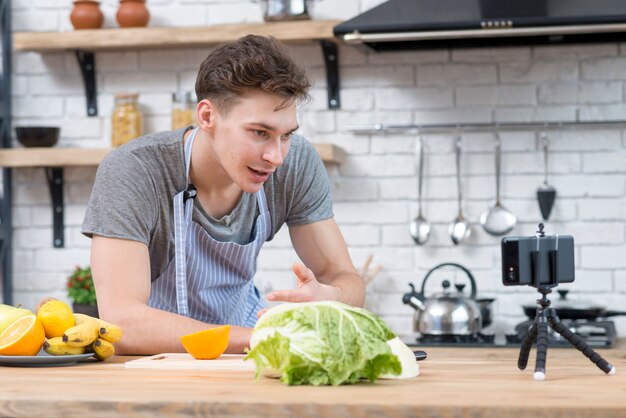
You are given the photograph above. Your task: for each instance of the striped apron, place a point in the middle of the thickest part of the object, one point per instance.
(209, 280)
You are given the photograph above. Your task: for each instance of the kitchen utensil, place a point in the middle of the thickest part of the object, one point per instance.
(485, 306)
(459, 229)
(229, 362)
(274, 10)
(545, 193)
(43, 360)
(574, 309)
(445, 313)
(419, 228)
(37, 136)
(498, 220)
(368, 273)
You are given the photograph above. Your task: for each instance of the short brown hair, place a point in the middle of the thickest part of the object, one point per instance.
(251, 62)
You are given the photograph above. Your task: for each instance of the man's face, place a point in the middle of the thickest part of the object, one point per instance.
(253, 138)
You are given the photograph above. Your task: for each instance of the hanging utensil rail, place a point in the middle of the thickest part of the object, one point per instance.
(480, 127)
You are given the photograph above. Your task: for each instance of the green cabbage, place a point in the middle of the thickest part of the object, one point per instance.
(323, 343)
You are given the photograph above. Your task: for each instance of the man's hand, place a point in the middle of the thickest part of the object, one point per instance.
(321, 247)
(309, 288)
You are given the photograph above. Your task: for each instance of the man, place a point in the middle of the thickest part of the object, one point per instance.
(178, 218)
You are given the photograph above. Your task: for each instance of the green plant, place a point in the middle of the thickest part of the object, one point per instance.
(80, 288)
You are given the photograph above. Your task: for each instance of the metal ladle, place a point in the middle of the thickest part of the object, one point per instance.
(498, 220)
(419, 227)
(459, 229)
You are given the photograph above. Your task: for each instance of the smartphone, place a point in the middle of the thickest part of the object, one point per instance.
(537, 261)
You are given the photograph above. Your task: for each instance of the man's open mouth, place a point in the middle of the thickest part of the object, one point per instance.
(260, 175)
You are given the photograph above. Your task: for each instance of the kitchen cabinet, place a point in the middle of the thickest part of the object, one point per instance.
(85, 42)
(453, 382)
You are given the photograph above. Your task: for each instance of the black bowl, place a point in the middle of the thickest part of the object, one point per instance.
(37, 136)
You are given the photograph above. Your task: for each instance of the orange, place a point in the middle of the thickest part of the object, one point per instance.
(56, 317)
(208, 344)
(23, 337)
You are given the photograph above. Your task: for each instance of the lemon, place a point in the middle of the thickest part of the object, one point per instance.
(56, 317)
(24, 337)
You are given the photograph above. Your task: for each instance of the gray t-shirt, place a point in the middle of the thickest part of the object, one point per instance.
(133, 193)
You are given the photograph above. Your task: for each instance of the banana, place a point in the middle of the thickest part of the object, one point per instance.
(102, 349)
(79, 318)
(56, 347)
(109, 332)
(83, 333)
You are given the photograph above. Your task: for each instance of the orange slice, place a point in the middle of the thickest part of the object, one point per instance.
(208, 344)
(24, 337)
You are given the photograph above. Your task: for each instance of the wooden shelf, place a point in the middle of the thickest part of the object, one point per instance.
(51, 157)
(73, 157)
(84, 43)
(146, 38)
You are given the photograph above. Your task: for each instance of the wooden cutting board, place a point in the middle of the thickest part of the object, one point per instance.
(184, 361)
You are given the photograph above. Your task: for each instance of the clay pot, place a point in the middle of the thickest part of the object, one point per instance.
(86, 14)
(132, 14)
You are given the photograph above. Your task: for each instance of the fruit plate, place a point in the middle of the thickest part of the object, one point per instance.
(43, 360)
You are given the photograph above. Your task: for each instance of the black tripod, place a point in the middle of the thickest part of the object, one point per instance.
(539, 332)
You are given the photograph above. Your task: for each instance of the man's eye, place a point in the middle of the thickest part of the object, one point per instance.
(287, 136)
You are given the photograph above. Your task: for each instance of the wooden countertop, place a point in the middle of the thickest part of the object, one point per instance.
(453, 382)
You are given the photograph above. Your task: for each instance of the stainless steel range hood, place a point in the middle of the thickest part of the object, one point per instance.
(411, 24)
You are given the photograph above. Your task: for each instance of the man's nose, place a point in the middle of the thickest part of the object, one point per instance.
(273, 153)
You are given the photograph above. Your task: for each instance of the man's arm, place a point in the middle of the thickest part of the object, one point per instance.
(329, 273)
(121, 273)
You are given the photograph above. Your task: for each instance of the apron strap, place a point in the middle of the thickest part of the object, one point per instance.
(183, 209)
(188, 145)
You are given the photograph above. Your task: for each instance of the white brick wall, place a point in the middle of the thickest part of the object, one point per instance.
(375, 190)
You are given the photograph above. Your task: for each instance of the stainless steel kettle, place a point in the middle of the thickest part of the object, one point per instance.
(446, 313)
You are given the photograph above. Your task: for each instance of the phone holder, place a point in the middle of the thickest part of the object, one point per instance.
(547, 317)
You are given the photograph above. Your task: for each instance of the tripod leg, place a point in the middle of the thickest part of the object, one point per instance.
(542, 350)
(527, 343)
(581, 345)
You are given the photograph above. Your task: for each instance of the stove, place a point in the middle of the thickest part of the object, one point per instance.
(478, 340)
(598, 334)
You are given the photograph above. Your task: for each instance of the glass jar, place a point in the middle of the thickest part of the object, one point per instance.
(126, 119)
(183, 110)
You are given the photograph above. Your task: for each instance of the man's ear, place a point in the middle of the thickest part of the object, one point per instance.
(205, 114)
